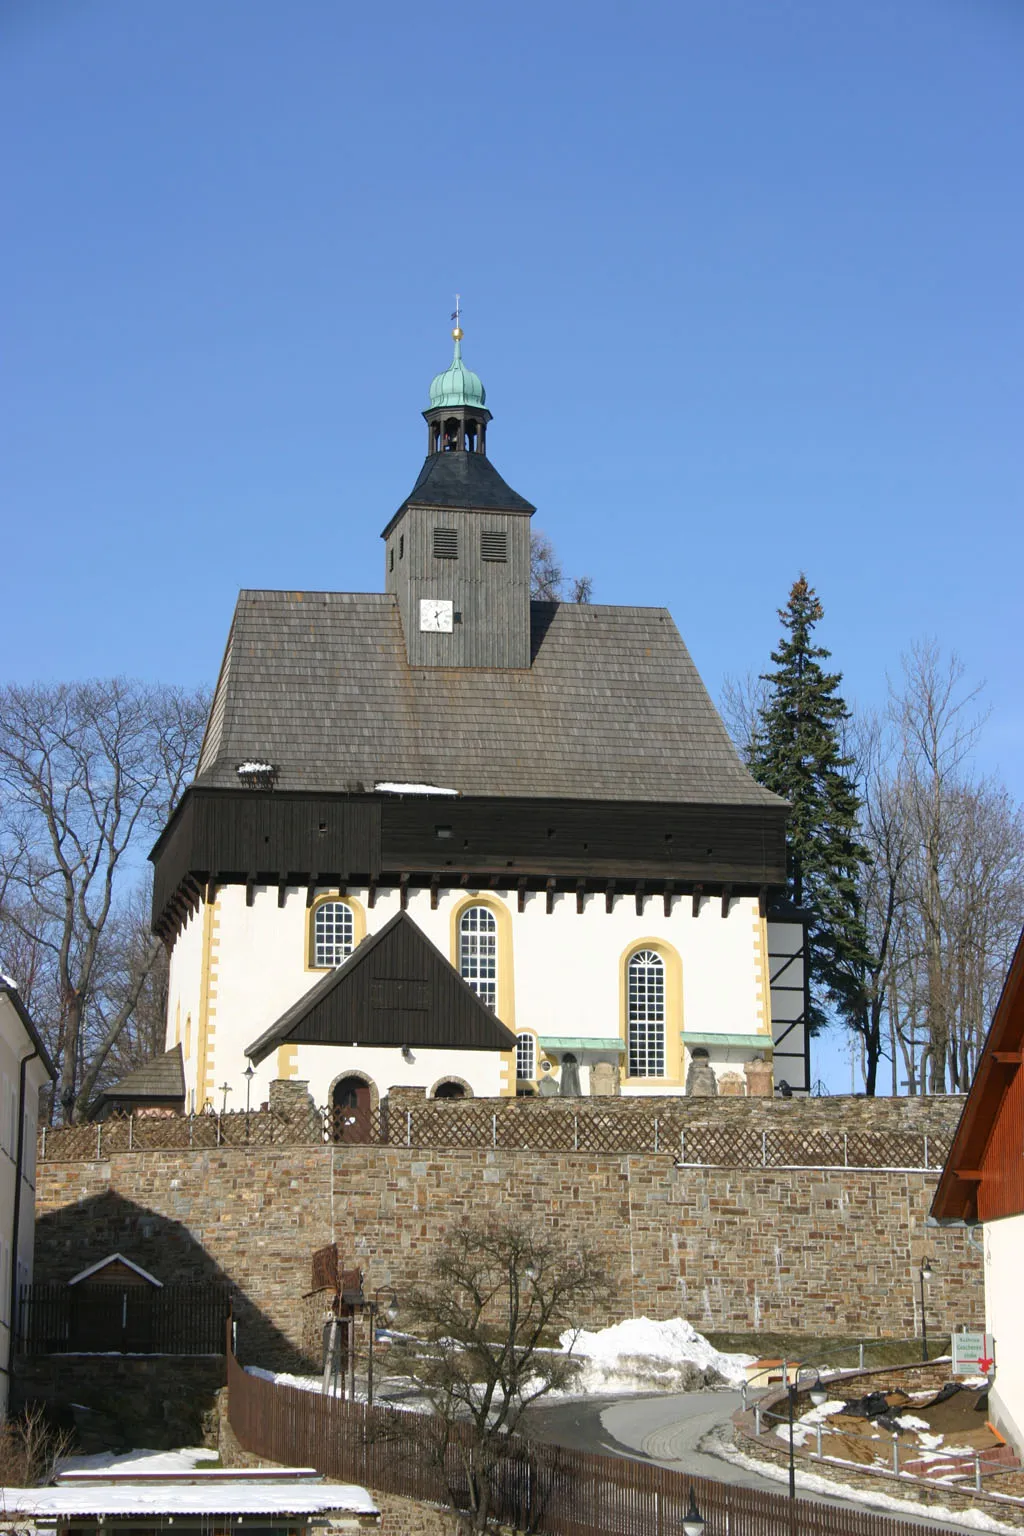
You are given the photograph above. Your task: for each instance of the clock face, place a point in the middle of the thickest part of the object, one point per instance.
(436, 615)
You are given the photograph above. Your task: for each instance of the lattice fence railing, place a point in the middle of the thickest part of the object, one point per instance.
(577, 1127)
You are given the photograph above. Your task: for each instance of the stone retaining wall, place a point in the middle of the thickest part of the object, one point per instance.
(799, 1251)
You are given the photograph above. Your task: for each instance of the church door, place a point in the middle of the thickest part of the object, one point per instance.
(350, 1102)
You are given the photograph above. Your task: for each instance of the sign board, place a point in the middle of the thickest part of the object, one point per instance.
(974, 1354)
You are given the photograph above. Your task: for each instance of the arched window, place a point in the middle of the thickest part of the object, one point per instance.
(478, 953)
(646, 1014)
(333, 933)
(526, 1068)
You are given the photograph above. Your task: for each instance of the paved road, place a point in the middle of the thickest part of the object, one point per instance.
(668, 1429)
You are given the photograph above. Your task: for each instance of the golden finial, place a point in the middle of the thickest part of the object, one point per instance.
(456, 313)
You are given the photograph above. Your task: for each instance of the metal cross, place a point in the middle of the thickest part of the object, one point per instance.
(457, 315)
(225, 1089)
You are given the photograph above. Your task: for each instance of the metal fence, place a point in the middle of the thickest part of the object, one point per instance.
(540, 1488)
(515, 1125)
(57, 1319)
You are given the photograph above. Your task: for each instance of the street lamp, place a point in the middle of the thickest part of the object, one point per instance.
(385, 1300)
(248, 1074)
(817, 1394)
(693, 1520)
(926, 1274)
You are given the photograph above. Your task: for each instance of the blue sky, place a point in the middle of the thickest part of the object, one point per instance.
(743, 279)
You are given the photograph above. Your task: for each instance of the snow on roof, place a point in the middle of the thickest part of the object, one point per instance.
(254, 766)
(117, 1258)
(193, 1498)
(387, 787)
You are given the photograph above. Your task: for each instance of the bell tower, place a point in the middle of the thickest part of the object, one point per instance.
(457, 551)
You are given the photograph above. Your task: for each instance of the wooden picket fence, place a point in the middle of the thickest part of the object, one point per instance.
(541, 1488)
(123, 1319)
(516, 1125)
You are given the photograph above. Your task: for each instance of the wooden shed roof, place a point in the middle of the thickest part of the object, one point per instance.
(395, 989)
(161, 1080)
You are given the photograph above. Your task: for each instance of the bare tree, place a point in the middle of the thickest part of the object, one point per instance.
(943, 888)
(548, 582)
(494, 1296)
(89, 773)
(742, 705)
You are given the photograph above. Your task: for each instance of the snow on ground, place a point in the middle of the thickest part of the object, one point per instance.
(718, 1444)
(640, 1355)
(141, 1461)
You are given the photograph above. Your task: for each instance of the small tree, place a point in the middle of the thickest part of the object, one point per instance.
(797, 752)
(548, 582)
(494, 1296)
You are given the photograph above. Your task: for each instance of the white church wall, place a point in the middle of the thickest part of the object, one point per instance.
(560, 975)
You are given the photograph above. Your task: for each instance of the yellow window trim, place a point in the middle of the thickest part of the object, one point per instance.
(358, 924)
(506, 980)
(673, 1008)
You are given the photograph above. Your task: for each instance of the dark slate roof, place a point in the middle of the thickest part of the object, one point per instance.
(395, 989)
(161, 1079)
(612, 708)
(466, 480)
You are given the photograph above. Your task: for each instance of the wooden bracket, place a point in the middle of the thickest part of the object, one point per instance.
(371, 894)
(698, 892)
(550, 903)
(435, 881)
(250, 892)
(669, 893)
(521, 897)
(581, 887)
(609, 896)
(403, 892)
(726, 898)
(282, 892)
(640, 898)
(310, 893)
(762, 902)
(1007, 1058)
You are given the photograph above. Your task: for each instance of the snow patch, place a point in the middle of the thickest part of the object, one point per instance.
(387, 787)
(141, 1462)
(640, 1354)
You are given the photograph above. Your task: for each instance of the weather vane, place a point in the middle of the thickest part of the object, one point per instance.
(457, 317)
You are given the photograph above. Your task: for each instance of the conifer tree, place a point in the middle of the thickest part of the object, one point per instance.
(797, 752)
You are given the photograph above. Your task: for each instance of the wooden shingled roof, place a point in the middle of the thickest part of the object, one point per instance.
(983, 1179)
(396, 989)
(161, 1080)
(612, 707)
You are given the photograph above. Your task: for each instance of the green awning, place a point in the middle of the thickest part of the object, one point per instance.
(749, 1042)
(580, 1043)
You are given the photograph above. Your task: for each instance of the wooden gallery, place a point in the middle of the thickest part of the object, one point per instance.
(448, 837)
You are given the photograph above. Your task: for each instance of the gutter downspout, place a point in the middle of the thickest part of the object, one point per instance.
(18, 1163)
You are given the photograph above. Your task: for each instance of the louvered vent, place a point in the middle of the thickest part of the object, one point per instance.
(446, 544)
(494, 546)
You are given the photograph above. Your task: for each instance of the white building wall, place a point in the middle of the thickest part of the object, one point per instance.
(15, 1266)
(1004, 1319)
(567, 980)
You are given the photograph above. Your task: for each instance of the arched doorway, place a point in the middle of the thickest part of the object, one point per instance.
(351, 1105)
(450, 1090)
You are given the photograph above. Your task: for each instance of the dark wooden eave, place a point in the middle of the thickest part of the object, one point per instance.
(291, 838)
(396, 989)
(970, 1163)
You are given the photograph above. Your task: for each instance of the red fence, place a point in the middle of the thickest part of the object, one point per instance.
(541, 1488)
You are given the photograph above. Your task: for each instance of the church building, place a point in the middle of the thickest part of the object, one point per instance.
(449, 837)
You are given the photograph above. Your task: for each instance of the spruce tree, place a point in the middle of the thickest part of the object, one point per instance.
(797, 752)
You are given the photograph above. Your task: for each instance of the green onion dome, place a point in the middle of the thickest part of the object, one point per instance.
(458, 385)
